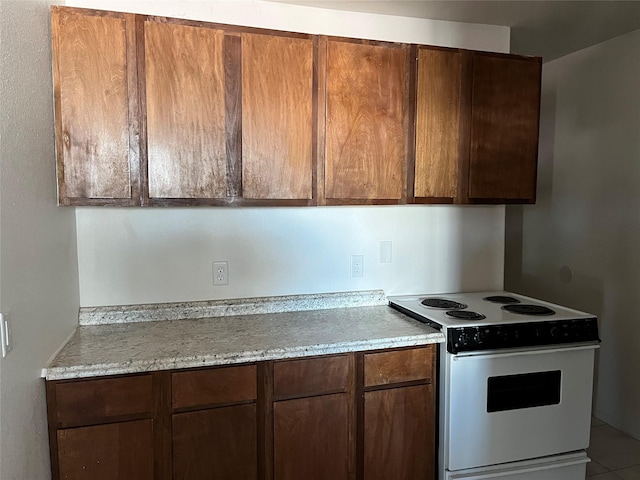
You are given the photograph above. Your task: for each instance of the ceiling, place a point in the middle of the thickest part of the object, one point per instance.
(547, 28)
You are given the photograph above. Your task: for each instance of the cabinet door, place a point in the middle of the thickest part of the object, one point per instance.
(95, 95)
(399, 434)
(185, 111)
(277, 117)
(504, 128)
(438, 125)
(366, 122)
(215, 444)
(311, 438)
(107, 452)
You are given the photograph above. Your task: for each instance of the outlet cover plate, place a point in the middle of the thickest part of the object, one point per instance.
(357, 265)
(221, 273)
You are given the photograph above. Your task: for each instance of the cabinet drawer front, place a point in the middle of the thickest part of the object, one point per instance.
(398, 366)
(213, 386)
(310, 376)
(94, 400)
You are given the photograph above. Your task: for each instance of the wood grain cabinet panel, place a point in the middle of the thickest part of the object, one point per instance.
(504, 128)
(366, 122)
(398, 366)
(477, 118)
(185, 111)
(438, 124)
(114, 451)
(399, 434)
(213, 386)
(311, 376)
(215, 444)
(95, 96)
(87, 401)
(311, 438)
(277, 117)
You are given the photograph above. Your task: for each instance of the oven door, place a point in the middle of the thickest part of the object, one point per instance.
(508, 406)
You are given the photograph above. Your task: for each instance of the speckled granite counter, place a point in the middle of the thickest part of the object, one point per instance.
(119, 348)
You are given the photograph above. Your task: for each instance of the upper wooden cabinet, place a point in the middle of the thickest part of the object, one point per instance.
(161, 111)
(96, 107)
(438, 125)
(367, 106)
(477, 121)
(158, 111)
(229, 114)
(505, 112)
(185, 111)
(278, 128)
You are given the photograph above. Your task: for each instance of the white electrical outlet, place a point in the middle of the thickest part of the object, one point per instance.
(357, 265)
(5, 335)
(221, 273)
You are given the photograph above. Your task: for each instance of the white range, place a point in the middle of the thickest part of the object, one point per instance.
(515, 384)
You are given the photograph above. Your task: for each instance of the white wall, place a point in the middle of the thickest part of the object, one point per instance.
(149, 256)
(39, 277)
(160, 255)
(580, 245)
(265, 14)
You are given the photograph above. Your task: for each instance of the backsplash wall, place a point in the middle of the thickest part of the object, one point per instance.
(130, 256)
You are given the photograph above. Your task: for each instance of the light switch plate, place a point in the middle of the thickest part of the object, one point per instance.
(5, 335)
(385, 251)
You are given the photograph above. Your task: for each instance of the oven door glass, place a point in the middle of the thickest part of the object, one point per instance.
(518, 405)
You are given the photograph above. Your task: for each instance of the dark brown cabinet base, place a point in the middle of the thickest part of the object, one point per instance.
(352, 416)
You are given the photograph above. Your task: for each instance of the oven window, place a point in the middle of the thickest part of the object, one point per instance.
(512, 392)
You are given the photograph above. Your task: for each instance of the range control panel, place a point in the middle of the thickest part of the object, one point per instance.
(497, 337)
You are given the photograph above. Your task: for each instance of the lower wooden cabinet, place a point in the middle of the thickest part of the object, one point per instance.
(398, 434)
(107, 452)
(214, 423)
(215, 444)
(311, 438)
(398, 411)
(353, 416)
(103, 429)
(312, 419)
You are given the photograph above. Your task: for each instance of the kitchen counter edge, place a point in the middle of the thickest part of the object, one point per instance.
(116, 349)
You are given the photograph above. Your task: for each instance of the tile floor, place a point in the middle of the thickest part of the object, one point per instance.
(613, 454)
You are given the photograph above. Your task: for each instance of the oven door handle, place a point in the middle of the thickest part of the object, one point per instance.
(521, 352)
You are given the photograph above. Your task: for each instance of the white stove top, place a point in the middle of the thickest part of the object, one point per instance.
(494, 313)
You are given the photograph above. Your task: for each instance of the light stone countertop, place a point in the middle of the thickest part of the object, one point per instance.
(121, 348)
